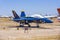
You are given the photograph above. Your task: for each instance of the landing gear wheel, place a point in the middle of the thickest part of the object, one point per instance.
(28, 25)
(37, 26)
(21, 26)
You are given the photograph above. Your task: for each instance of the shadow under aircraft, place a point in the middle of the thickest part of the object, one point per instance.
(23, 20)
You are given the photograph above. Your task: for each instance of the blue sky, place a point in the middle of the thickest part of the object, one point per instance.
(30, 7)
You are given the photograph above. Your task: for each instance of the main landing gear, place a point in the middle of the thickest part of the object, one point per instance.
(26, 23)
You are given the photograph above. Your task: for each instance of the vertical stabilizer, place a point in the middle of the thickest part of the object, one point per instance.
(22, 14)
(58, 11)
(15, 14)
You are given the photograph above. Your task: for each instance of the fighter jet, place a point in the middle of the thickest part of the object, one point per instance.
(22, 19)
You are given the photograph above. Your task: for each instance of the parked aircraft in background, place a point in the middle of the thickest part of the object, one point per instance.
(40, 16)
(59, 14)
(4, 16)
(22, 19)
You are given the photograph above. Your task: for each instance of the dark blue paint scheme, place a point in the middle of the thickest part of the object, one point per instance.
(24, 18)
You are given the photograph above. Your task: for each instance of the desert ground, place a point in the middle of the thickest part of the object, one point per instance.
(46, 31)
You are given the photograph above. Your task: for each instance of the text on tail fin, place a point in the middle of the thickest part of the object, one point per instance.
(15, 14)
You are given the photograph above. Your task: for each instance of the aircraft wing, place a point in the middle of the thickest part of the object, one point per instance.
(27, 18)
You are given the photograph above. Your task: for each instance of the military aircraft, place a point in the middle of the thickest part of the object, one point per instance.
(22, 19)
